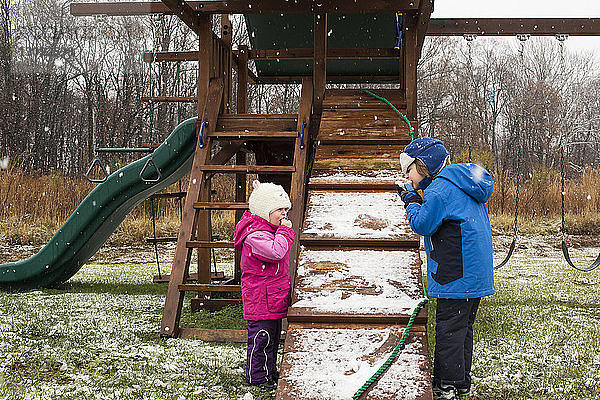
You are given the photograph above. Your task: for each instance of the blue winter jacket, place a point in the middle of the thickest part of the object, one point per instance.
(458, 237)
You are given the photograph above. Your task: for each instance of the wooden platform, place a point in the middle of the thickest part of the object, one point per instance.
(333, 362)
(358, 276)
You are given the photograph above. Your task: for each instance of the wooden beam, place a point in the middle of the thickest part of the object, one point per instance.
(284, 54)
(341, 78)
(244, 7)
(513, 26)
(410, 65)
(185, 12)
(425, 10)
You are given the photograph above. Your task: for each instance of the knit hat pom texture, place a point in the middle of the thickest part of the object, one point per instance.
(266, 198)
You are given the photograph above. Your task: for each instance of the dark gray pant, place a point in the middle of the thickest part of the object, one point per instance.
(454, 341)
(263, 342)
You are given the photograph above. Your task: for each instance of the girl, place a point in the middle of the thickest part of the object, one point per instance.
(265, 236)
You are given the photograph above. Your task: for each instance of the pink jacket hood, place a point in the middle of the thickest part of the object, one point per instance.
(248, 224)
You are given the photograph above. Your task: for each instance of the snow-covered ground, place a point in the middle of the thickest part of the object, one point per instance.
(537, 338)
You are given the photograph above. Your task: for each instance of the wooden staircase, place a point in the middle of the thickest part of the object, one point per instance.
(233, 132)
(358, 276)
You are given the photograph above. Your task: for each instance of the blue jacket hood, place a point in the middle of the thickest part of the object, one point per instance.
(472, 179)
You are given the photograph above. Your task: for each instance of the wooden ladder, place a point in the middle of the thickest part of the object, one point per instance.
(232, 131)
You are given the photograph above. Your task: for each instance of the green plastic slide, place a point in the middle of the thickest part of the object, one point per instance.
(101, 212)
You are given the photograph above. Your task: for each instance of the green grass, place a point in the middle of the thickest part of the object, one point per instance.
(538, 336)
(96, 337)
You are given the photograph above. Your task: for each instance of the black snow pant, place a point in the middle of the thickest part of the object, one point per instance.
(454, 341)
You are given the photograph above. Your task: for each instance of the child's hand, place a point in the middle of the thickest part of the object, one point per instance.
(286, 222)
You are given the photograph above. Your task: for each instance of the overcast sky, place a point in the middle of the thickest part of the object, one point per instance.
(526, 9)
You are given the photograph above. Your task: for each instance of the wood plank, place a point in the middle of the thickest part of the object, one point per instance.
(256, 135)
(313, 241)
(174, 298)
(365, 216)
(220, 206)
(342, 285)
(199, 287)
(347, 158)
(330, 78)
(197, 304)
(204, 244)
(334, 364)
(215, 335)
(164, 278)
(257, 122)
(241, 7)
(513, 26)
(332, 53)
(251, 169)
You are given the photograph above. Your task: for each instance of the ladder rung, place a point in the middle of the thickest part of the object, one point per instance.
(205, 287)
(220, 206)
(260, 135)
(161, 240)
(177, 99)
(248, 168)
(208, 245)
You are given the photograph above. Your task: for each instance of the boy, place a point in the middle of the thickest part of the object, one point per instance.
(452, 217)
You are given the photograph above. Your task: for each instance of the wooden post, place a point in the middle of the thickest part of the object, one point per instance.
(410, 66)
(226, 37)
(240, 196)
(242, 89)
(174, 299)
(298, 184)
(319, 61)
(204, 61)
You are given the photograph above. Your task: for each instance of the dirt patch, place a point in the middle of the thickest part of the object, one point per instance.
(368, 222)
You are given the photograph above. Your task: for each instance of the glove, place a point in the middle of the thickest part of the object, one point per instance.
(423, 183)
(408, 195)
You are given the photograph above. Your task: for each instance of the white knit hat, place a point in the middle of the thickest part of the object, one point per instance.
(266, 198)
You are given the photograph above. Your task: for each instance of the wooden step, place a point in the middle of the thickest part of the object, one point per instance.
(310, 371)
(257, 122)
(205, 287)
(208, 245)
(354, 157)
(220, 206)
(255, 135)
(358, 216)
(312, 240)
(358, 98)
(341, 285)
(249, 169)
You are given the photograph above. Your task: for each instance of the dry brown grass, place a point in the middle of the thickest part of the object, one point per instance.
(33, 207)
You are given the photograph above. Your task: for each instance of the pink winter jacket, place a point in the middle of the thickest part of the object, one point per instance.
(265, 267)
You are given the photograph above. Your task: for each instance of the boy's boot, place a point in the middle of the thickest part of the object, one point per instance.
(462, 393)
(443, 392)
